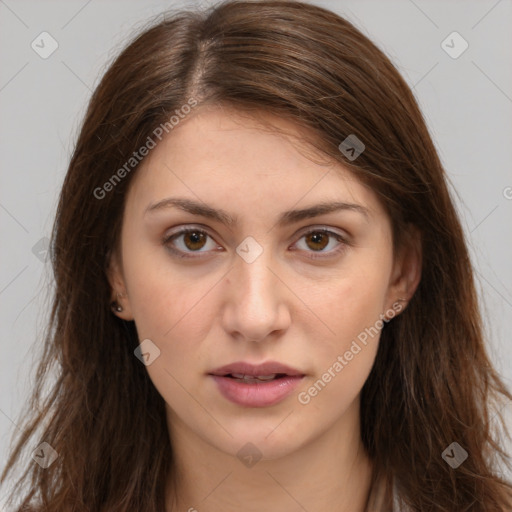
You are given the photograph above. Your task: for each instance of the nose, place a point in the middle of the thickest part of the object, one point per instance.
(256, 305)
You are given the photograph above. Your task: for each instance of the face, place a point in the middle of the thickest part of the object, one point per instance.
(254, 284)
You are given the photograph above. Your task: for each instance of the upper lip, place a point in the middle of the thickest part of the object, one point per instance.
(254, 370)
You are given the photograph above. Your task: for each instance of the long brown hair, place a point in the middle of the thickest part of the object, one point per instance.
(432, 383)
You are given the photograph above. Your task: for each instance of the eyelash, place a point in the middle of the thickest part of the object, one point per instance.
(184, 255)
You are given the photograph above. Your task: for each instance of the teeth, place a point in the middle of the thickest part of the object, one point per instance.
(266, 377)
(249, 378)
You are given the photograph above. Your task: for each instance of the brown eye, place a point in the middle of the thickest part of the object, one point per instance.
(194, 240)
(317, 240)
(188, 241)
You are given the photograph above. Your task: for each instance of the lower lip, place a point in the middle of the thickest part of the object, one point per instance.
(259, 394)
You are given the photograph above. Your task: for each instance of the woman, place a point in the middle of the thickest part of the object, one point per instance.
(264, 299)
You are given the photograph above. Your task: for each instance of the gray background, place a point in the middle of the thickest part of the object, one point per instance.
(467, 103)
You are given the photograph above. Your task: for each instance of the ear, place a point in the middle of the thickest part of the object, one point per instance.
(406, 274)
(119, 295)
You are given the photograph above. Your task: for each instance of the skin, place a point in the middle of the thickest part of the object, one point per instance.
(206, 312)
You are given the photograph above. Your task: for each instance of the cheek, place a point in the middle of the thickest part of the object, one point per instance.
(176, 314)
(351, 304)
(352, 308)
(171, 307)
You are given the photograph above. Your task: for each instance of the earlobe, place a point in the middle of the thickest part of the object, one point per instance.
(119, 301)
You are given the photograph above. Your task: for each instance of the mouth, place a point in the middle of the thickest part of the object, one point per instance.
(256, 385)
(249, 379)
(262, 372)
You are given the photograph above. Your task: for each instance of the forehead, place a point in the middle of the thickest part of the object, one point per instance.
(224, 155)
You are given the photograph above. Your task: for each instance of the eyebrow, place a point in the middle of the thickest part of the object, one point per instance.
(286, 218)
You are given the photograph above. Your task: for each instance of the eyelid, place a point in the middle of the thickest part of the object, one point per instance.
(166, 239)
(321, 227)
(342, 237)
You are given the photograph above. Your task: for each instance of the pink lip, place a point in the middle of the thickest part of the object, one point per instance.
(256, 369)
(260, 394)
